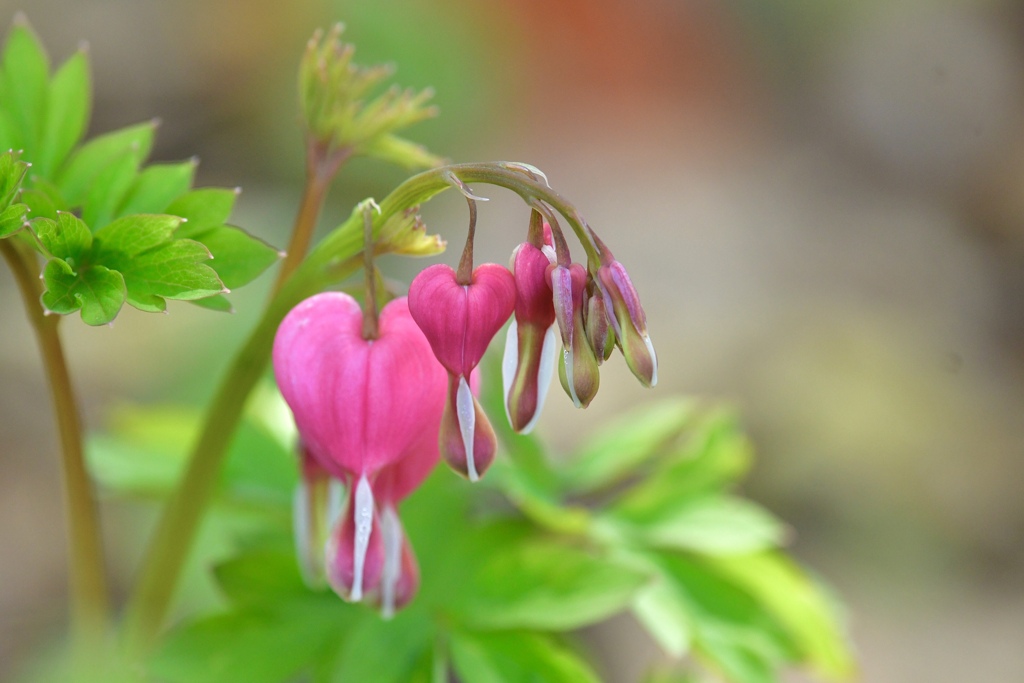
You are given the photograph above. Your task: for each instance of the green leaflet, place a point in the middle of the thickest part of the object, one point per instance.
(516, 657)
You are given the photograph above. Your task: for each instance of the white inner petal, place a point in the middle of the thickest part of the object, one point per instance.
(335, 501)
(364, 526)
(545, 372)
(465, 411)
(654, 360)
(509, 363)
(301, 518)
(391, 535)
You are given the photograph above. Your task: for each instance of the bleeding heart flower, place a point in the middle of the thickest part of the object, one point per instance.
(578, 371)
(360, 405)
(459, 320)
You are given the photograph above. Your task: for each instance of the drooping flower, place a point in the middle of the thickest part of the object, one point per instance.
(578, 369)
(529, 360)
(459, 321)
(360, 405)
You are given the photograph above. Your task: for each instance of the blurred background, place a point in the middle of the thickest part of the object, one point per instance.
(821, 204)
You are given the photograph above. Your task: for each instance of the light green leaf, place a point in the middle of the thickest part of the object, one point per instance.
(67, 112)
(715, 525)
(544, 584)
(98, 291)
(263, 577)
(516, 657)
(12, 172)
(156, 187)
(660, 611)
(66, 238)
(172, 271)
(26, 71)
(110, 185)
(619, 449)
(133, 235)
(13, 219)
(39, 203)
(84, 167)
(218, 302)
(238, 257)
(812, 619)
(205, 208)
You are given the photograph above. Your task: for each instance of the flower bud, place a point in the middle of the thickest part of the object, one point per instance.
(529, 360)
(578, 370)
(629, 321)
(599, 331)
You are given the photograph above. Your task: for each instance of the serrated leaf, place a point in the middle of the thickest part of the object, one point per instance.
(633, 439)
(803, 608)
(39, 203)
(714, 525)
(544, 584)
(516, 657)
(156, 187)
(172, 271)
(66, 238)
(80, 172)
(12, 172)
(133, 235)
(26, 70)
(205, 208)
(98, 291)
(12, 219)
(67, 112)
(238, 257)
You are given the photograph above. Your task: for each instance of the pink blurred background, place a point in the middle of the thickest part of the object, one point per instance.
(822, 205)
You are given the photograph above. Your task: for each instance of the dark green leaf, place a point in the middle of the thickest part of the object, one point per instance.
(26, 75)
(80, 173)
(238, 257)
(218, 302)
(156, 187)
(516, 657)
(804, 609)
(98, 291)
(617, 450)
(202, 209)
(66, 238)
(712, 524)
(545, 584)
(67, 112)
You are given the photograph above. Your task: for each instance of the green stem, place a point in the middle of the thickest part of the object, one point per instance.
(90, 605)
(336, 257)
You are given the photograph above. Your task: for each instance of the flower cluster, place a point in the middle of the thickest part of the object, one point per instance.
(377, 405)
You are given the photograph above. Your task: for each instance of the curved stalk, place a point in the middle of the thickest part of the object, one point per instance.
(90, 605)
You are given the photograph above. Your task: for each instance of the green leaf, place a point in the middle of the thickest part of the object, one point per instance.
(715, 454)
(98, 291)
(545, 584)
(13, 219)
(67, 112)
(384, 651)
(218, 302)
(243, 647)
(202, 209)
(26, 74)
(110, 185)
(262, 577)
(66, 238)
(806, 612)
(619, 449)
(156, 187)
(156, 267)
(659, 610)
(85, 166)
(238, 257)
(12, 172)
(715, 525)
(516, 657)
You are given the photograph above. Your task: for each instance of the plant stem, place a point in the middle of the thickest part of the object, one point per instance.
(90, 605)
(322, 165)
(464, 276)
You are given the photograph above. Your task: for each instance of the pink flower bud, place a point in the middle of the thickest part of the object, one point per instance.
(629, 322)
(459, 321)
(530, 344)
(578, 370)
